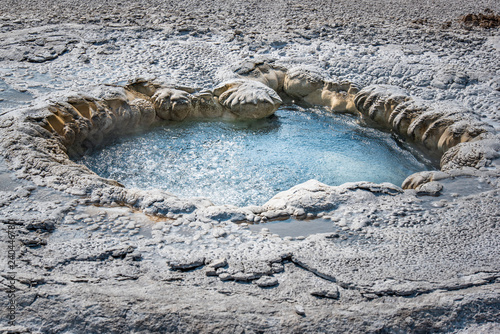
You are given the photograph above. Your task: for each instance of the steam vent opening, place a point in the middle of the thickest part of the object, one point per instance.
(247, 162)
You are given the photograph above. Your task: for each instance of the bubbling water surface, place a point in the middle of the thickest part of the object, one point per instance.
(248, 162)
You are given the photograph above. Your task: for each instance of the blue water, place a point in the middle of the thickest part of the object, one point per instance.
(10, 98)
(247, 163)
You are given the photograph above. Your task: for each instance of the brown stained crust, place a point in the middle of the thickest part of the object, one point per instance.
(487, 20)
(438, 128)
(80, 122)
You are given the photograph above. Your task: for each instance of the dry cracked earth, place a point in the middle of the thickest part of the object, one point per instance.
(397, 262)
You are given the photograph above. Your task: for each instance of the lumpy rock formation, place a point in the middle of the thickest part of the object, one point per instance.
(93, 256)
(81, 122)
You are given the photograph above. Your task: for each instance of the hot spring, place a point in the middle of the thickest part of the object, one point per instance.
(248, 162)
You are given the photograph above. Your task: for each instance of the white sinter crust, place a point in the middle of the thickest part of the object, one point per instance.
(96, 257)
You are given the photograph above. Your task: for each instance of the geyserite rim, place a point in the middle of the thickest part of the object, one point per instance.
(48, 134)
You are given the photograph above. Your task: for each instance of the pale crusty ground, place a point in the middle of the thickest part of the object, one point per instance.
(398, 264)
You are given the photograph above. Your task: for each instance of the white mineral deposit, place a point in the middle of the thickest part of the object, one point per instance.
(250, 166)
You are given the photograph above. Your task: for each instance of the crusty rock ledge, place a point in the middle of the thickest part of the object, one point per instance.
(394, 261)
(40, 141)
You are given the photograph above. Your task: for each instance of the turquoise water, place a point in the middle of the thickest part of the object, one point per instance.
(247, 163)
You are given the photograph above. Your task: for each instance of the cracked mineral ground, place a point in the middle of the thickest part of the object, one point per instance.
(351, 258)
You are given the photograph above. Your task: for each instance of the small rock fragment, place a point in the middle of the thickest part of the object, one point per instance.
(136, 256)
(432, 188)
(33, 241)
(187, 264)
(218, 263)
(299, 309)
(210, 271)
(266, 281)
(122, 252)
(326, 293)
(299, 213)
(45, 225)
(277, 268)
(245, 277)
(225, 277)
(219, 233)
